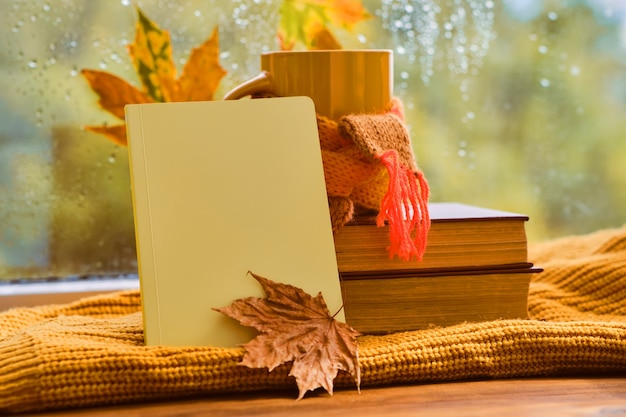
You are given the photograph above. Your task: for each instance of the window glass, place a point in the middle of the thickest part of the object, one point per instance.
(518, 105)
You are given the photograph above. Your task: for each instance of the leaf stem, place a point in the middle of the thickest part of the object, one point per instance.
(338, 311)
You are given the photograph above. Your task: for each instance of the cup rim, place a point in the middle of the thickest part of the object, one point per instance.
(329, 51)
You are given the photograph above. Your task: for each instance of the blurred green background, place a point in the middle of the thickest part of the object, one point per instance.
(517, 105)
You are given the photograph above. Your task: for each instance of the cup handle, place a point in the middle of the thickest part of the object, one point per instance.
(258, 85)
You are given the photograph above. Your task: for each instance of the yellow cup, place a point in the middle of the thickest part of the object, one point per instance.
(339, 82)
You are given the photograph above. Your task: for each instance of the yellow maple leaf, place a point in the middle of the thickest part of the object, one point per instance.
(307, 21)
(151, 53)
(202, 73)
(152, 57)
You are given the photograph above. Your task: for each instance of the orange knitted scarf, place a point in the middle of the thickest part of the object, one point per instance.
(369, 165)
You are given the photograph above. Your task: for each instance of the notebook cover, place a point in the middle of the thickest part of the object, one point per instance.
(221, 188)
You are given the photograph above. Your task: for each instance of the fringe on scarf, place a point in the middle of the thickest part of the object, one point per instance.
(405, 208)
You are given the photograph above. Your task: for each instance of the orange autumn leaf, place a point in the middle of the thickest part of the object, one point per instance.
(202, 73)
(151, 53)
(114, 94)
(113, 91)
(323, 39)
(307, 21)
(296, 327)
(116, 133)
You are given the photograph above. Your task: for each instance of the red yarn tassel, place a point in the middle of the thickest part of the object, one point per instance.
(405, 209)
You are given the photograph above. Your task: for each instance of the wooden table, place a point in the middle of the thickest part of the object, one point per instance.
(549, 397)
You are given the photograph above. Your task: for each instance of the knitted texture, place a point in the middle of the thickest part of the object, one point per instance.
(368, 159)
(91, 352)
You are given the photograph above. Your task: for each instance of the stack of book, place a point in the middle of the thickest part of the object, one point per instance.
(475, 268)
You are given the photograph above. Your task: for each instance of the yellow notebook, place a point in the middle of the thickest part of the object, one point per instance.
(221, 188)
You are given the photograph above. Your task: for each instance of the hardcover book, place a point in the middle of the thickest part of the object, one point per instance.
(221, 188)
(386, 303)
(461, 236)
(475, 268)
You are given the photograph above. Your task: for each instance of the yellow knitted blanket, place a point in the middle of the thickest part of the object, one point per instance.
(91, 352)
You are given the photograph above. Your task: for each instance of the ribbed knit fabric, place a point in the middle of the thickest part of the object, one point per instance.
(91, 352)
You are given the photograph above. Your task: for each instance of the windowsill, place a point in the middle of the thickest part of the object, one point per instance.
(62, 291)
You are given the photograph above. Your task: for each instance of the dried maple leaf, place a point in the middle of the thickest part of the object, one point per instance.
(151, 53)
(307, 21)
(296, 327)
